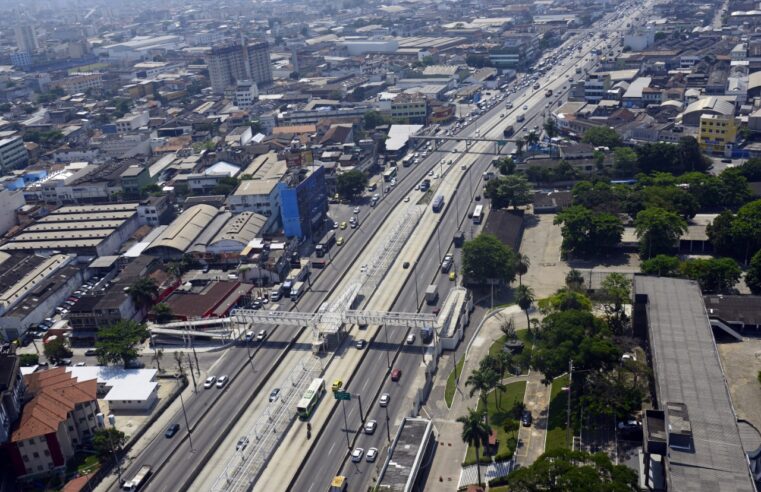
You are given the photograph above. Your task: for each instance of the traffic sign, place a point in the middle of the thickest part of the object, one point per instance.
(501, 143)
(342, 395)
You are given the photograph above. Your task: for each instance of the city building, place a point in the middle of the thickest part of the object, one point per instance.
(128, 390)
(132, 121)
(239, 61)
(58, 420)
(245, 93)
(303, 202)
(10, 202)
(12, 390)
(81, 82)
(717, 134)
(13, 153)
(26, 38)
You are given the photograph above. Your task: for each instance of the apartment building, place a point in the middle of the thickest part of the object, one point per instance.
(717, 133)
(239, 61)
(13, 154)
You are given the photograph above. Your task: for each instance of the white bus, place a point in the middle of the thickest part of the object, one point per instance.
(478, 214)
(311, 398)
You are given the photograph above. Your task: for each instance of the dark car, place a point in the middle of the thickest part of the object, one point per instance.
(91, 352)
(171, 430)
(396, 374)
(526, 418)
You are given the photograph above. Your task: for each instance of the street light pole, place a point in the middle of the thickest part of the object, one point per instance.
(187, 424)
(346, 425)
(388, 426)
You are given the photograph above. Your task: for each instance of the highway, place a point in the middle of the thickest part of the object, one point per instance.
(329, 456)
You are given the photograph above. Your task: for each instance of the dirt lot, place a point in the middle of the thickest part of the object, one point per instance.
(742, 361)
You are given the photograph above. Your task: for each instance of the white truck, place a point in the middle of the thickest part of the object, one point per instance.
(139, 479)
(296, 291)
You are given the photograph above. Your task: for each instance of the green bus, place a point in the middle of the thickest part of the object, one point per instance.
(310, 399)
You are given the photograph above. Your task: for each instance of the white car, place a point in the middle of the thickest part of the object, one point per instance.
(372, 453)
(209, 382)
(261, 335)
(222, 381)
(356, 455)
(430, 173)
(406, 199)
(370, 426)
(384, 399)
(356, 210)
(410, 339)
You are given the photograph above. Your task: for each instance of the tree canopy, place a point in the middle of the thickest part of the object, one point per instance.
(753, 276)
(572, 335)
(117, 343)
(677, 159)
(505, 191)
(658, 231)
(351, 183)
(57, 349)
(588, 233)
(374, 118)
(602, 136)
(486, 258)
(572, 471)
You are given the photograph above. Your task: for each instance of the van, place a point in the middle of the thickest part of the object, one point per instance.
(275, 293)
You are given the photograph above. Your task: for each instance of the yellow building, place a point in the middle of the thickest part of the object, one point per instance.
(717, 133)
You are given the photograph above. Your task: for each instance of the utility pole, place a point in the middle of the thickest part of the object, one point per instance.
(192, 374)
(568, 401)
(346, 425)
(187, 424)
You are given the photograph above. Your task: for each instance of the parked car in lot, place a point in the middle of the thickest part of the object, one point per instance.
(526, 419)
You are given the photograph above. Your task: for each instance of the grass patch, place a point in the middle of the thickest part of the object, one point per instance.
(498, 416)
(556, 428)
(451, 382)
(89, 465)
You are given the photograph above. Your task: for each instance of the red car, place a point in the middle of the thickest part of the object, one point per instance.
(396, 374)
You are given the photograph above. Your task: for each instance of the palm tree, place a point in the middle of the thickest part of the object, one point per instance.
(162, 312)
(522, 262)
(475, 432)
(157, 356)
(481, 381)
(574, 280)
(524, 296)
(143, 291)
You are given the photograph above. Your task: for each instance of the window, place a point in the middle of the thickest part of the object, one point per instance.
(36, 454)
(26, 458)
(43, 440)
(46, 452)
(21, 444)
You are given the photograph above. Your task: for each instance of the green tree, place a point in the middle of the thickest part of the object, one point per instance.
(751, 169)
(522, 263)
(551, 128)
(587, 233)
(143, 291)
(27, 360)
(506, 166)
(712, 274)
(107, 442)
(624, 161)
(671, 198)
(475, 432)
(524, 296)
(118, 342)
(601, 136)
(57, 349)
(661, 266)
(570, 471)
(486, 258)
(720, 234)
(574, 280)
(753, 275)
(573, 335)
(225, 186)
(615, 293)
(374, 118)
(508, 190)
(565, 300)
(734, 188)
(658, 231)
(481, 381)
(351, 184)
(746, 229)
(163, 313)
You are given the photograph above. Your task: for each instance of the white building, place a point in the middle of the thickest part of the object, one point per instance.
(245, 94)
(132, 121)
(639, 40)
(13, 154)
(10, 202)
(356, 48)
(123, 389)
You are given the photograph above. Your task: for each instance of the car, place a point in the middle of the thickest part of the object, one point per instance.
(384, 400)
(356, 455)
(242, 443)
(406, 265)
(356, 210)
(222, 381)
(452, 275)
(360, 344)
(343, 225)
(525, 107)
(410, 339)
(372, 453)
(526, 418)
(477, 198)
(417, 187)
(370, 426)
(337, 385)
(430, 173)
(406, 199)
(80, 364)
(90, 352)
(335, 225)
(171, 430)
(261, 335)
(396, 374)
(340, 241)
(209, 382)
(446, 263)
(274, 394)
(249, 336)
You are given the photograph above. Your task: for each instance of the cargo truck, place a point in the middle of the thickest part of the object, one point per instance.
(327, 242)
(139, 479)
(432, 294)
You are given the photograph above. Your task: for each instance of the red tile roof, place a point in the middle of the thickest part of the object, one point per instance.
(56, 393)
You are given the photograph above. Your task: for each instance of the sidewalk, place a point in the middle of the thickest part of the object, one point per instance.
(446, 467)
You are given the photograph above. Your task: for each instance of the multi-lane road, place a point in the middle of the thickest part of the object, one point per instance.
(210, 411)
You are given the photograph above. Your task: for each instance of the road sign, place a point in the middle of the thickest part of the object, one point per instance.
(342, 395)
(501, 143)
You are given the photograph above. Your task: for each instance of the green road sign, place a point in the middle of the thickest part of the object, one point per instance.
(342, 395)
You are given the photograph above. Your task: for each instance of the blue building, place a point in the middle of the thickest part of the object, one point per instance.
(303, 201)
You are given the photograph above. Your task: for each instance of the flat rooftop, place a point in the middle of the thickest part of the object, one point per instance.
(406, 455)
(687, 370)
